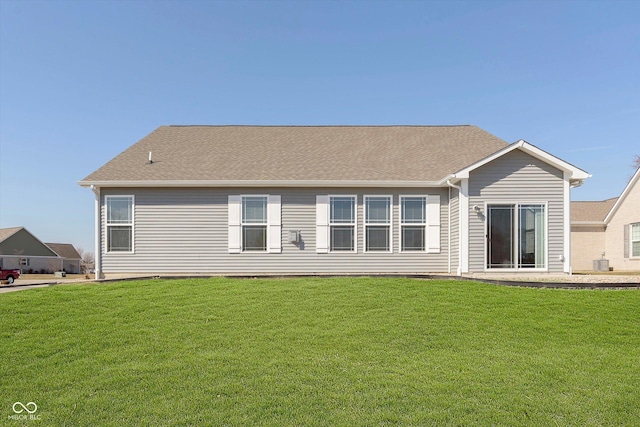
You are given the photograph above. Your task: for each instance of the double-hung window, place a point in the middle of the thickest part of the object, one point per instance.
(635, 240)
(254, 223)
(119, 225)
(336, 223)
(342, 223)
(413, 223)
(377, 219)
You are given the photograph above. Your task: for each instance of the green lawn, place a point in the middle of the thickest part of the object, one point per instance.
(320, 351)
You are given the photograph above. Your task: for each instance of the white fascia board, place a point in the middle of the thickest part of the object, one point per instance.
(623, 196)
(266, 183)
(576, 175)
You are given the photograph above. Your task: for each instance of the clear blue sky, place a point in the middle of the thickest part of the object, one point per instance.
(80, 81)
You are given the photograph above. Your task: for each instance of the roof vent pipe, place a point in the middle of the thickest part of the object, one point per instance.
(150, 160)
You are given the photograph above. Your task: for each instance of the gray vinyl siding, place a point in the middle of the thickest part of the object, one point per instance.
(185, 230)
(25, 244)
(36, 263)
(516, 178)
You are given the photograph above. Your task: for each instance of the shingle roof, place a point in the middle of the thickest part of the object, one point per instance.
(591, 211)
(5, 233)
(65, 250)
(299, 153)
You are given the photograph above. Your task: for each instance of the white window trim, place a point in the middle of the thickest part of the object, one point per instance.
(354, 223)
(107, 225)
(388, 224)
(424, 223)
(516, 227)
(631, 241)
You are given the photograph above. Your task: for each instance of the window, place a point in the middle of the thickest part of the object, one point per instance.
(377, 223)
(24, 262)
(413, 223)
(635, 240)
(516, 236)
(119, 223)
(342, 217)
(254, 223)
(419, 223)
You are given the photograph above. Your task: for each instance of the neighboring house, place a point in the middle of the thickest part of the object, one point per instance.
(332, 200)
(71, 259)
(587, 232)
(21, 249)
(608, 229)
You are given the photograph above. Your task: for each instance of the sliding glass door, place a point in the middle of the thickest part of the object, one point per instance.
(516, 236)
(500, 234)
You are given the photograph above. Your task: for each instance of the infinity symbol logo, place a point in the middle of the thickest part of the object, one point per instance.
(30, 407)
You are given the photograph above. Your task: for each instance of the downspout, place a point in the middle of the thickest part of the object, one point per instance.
(97, 259)
(457, 187)
(449, 233)
(451, 184)
(572, 184)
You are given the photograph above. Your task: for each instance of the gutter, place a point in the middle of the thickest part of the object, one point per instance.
(575, 183)
(259, 183)
(451, 184)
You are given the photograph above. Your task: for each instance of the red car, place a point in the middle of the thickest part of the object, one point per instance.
(9, 275)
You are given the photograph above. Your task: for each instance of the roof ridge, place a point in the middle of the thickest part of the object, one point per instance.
(323, 126)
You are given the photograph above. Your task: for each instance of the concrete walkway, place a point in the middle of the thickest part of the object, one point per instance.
(593, 279)
(23, 284)
(15, 287)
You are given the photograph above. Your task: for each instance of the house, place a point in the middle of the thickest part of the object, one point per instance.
(20, 249)
(71, 259)
(331, 200)
(608, 229)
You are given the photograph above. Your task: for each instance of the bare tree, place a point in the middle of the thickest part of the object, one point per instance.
(636, 162)
(87, 258)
